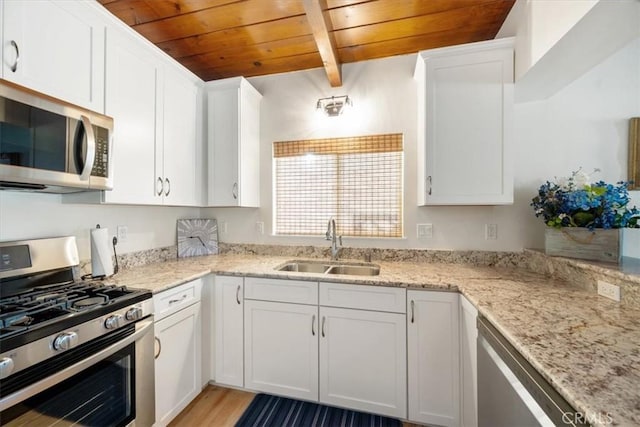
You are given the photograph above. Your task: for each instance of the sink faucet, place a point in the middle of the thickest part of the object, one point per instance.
(331, 235)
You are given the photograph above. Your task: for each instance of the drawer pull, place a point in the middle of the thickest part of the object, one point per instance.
(323, 319)
(155, 356)
(313, 325)
(14, 67)
(173, 301)
(238, 295)
(159, 187)
(412, 311)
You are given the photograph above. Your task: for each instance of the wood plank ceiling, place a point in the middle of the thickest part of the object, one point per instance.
(226, 38)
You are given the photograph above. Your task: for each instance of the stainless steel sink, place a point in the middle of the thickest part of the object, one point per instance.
(355, 270)
(322, 268)
(305, 267)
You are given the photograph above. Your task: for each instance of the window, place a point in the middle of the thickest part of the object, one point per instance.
(357, 180)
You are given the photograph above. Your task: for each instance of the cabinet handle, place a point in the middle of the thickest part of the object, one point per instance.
(429, 181)
(168, 186)
(238, 295)
(234, 191)
(14, 67)
(323, 319)
(173, 301)
(313, 325)
(155, 356)
(159, 186)
(413, 306)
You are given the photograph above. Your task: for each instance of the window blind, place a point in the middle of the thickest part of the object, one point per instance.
(356, 180)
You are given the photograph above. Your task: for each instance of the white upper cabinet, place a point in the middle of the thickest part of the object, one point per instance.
(132, 79)
(176, 155)
(55, 47)
(465, 119)
(157, 149)
(234, 143)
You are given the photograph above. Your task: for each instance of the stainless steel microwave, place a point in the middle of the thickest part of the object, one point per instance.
(50, 146)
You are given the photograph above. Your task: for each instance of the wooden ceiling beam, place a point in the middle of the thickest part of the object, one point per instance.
(318, 17)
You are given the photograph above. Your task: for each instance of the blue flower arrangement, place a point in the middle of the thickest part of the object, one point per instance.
(574, 202)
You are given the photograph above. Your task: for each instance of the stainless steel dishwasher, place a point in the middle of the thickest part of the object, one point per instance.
(511, 392)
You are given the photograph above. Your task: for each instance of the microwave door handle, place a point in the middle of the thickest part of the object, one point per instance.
(91, 148)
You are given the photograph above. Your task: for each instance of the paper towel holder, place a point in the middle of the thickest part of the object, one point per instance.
(101, 262)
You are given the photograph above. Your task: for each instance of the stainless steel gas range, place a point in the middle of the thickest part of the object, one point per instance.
(72, 352)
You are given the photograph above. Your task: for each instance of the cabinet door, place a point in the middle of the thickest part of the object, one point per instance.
(234, 143)
(468, 363)
(177, 363)
(229, 326)
(281, 348)
(363, 360)
(179, 142)
(224, 116)
(433, 357)
(61, 50)
(131, 82)
(468, 96)
(249, 150)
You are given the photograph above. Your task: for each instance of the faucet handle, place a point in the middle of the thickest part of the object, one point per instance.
(340, 240)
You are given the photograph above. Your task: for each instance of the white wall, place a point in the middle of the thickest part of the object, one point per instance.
(32, 215)
(584, 125)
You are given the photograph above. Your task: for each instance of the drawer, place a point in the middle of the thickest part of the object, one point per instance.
(174, 299)
(364, 297)
(293, 291)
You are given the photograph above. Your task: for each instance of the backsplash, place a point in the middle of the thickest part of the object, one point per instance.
(137, 259)
(578, 273)
(485, 258)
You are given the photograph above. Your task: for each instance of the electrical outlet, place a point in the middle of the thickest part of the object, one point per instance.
(122, 233)
(491, 231)
(425, 231)
(260, 227)
(223, 227)
(608, 290)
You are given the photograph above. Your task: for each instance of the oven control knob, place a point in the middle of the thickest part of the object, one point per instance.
(134, 313)
(113, 322)
(6, 367)
(65, 341)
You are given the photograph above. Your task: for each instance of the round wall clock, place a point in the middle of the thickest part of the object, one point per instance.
(197, 237)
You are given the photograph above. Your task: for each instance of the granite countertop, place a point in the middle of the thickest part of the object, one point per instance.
(586, 346)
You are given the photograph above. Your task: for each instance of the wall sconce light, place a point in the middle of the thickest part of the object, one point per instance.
(333, 106)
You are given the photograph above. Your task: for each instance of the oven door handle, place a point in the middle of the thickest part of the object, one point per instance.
(142, 328)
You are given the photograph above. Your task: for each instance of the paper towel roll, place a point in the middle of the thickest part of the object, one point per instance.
(101, 262)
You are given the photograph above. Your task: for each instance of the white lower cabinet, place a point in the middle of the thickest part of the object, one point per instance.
(433, 357)
(363, 360)
(468, 363)
(352, 354)
(281, 348)
(178, 350)
(229, 331)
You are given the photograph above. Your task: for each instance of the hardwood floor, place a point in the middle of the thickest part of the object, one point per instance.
(219, 407)
(214, 407)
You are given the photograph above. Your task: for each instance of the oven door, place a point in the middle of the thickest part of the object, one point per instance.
(102, 383)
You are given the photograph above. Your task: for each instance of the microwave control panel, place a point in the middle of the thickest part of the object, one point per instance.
(101, 163)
